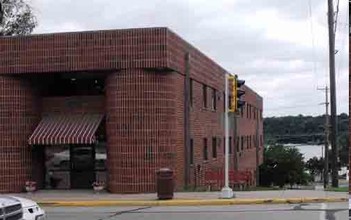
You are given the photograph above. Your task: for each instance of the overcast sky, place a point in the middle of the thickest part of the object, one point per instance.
(280, 47)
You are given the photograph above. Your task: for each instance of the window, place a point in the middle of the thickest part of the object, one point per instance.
(149, 154)
(254, 141)
(204, 95)
(247, 110)
(191, 92)
(261, 140)
(191, 151)
(242, 143)
(214, 104)
(254, 112)
(242, 112)
(249, 142)
(237, 144)
(230, 145)
(205, 153)
(214, 147)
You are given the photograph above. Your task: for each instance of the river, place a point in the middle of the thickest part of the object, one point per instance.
(309, 151)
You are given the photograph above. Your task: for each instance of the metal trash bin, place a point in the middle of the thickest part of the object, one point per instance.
(165, 183)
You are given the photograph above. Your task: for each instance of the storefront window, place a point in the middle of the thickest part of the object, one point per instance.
(57, 161)
(100, 161)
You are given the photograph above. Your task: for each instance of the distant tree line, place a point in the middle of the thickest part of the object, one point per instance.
(301, 129)
(306, 130)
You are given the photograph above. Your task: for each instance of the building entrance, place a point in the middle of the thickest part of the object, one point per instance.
(82, 166)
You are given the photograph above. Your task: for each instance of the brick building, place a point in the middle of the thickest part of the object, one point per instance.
(349, 111)
(110, 105)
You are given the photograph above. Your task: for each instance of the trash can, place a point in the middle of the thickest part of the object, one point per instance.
(165, 183)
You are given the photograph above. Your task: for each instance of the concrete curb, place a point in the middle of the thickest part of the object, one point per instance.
(189, 202)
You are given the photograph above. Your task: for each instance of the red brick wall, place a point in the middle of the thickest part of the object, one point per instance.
(140, 109)
(82, 51)
(206, 123)
(73, 105)
(18, 115)
(248, 124)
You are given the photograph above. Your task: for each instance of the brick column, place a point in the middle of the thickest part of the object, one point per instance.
(140, 128)
(18, 117)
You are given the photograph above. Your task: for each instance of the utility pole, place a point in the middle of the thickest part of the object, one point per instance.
(326, 140)
(333, 135)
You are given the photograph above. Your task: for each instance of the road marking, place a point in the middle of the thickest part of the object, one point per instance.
(323, 213)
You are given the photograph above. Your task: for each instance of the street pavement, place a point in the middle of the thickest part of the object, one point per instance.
(316, 211)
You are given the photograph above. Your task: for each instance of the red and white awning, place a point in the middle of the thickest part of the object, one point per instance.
(66, 129)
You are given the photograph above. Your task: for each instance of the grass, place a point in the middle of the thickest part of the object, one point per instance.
(338, 189)
(262, 188)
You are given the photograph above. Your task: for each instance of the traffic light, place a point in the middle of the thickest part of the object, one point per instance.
(237, 93)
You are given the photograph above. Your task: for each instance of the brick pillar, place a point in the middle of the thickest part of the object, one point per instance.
(18, 117)
(140, 128)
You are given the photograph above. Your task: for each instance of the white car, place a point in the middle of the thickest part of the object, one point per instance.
(10, 208)
(31, 210)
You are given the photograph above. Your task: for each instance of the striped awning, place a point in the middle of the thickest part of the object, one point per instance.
(66, 129)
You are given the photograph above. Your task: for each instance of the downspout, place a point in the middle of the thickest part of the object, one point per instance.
(187, 122)
(257, 148)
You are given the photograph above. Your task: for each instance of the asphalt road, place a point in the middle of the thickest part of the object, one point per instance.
(330, 211)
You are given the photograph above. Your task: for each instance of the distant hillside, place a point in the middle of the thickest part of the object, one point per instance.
(301, 129)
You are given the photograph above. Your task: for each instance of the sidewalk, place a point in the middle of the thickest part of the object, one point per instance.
(88, 198)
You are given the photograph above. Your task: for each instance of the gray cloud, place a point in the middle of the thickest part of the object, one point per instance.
(268, 43)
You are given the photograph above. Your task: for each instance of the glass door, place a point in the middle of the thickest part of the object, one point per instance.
(82, 166)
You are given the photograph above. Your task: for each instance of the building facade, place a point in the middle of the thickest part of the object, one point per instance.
(115, 106)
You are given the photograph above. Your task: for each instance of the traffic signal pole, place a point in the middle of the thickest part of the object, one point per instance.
(235, 105)
(226, 192)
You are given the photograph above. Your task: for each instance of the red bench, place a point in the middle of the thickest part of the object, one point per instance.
(236, 178)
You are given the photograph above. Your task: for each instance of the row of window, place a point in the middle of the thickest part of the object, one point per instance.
(242, 142)
(251, 111)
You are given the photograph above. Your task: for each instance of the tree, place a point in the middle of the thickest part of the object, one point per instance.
(300, 129)
(16, 18)
(315, 166)
(282, 166)
(343, 145)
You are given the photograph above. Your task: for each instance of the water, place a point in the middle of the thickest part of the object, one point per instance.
(308, 151)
